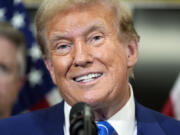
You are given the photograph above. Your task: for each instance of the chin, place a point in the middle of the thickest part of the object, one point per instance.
(93, 102)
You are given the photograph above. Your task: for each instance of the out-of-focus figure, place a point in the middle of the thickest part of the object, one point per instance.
(12, 67)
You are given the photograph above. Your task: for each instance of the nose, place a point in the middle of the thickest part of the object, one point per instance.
(82, 55)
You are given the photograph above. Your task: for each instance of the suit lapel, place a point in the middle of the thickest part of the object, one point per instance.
(147, 124)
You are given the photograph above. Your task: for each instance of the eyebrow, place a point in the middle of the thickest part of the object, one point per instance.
(95, 27)
(57, 35)
(91, 27)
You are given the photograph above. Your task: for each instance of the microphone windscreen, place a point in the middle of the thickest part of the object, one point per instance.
(82, 120)
(78, 110)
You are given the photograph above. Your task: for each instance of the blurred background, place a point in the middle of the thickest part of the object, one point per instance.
(157, 22)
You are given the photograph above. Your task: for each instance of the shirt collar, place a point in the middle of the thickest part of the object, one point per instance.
(123, 121)
(67, 109)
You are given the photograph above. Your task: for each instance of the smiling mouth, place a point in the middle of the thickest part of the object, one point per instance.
(87, 78)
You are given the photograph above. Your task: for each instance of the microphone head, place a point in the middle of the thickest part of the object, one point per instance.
(77, 110)
(82, 120)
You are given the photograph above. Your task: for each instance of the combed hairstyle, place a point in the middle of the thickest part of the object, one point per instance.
(50, 8)
(16, 37)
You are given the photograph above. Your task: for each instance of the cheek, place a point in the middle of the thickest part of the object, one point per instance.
(9, 91)
(115, 61)
(111, 55)
(61, 66)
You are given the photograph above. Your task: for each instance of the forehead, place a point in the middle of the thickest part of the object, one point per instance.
(81, 17)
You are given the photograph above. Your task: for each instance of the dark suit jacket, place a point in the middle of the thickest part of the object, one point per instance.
(50, 122)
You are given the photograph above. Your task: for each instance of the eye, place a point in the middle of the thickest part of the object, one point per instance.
(96, 39)
(62, 48)
(4, 69)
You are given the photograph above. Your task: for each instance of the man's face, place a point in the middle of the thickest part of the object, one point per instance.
(87, 61)
(9, 82)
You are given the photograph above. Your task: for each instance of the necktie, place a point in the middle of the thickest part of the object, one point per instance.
(104, 128)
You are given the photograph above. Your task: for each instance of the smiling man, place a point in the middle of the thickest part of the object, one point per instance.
(90, 48)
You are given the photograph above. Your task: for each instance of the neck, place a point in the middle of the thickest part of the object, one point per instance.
(108, 111)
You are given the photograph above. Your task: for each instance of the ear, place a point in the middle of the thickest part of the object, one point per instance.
(132, 53)
(50, 68)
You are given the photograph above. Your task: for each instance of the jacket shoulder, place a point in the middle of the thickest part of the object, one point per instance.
(154, 121)
(170, 125)
(34, 122)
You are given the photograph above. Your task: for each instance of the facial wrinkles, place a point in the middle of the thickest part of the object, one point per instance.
(74, 30)
(82, 30)
(116, 48)
(79, 30)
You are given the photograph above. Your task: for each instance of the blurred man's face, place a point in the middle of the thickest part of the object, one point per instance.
(9, 80)
(88, 62)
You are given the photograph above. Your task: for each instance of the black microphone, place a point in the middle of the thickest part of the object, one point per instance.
(82, 120)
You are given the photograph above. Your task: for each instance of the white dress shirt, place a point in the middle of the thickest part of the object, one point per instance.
(124, 121)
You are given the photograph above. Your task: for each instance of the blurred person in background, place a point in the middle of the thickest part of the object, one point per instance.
(12, 66)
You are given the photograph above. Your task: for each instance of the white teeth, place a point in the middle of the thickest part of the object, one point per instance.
(87, 78)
